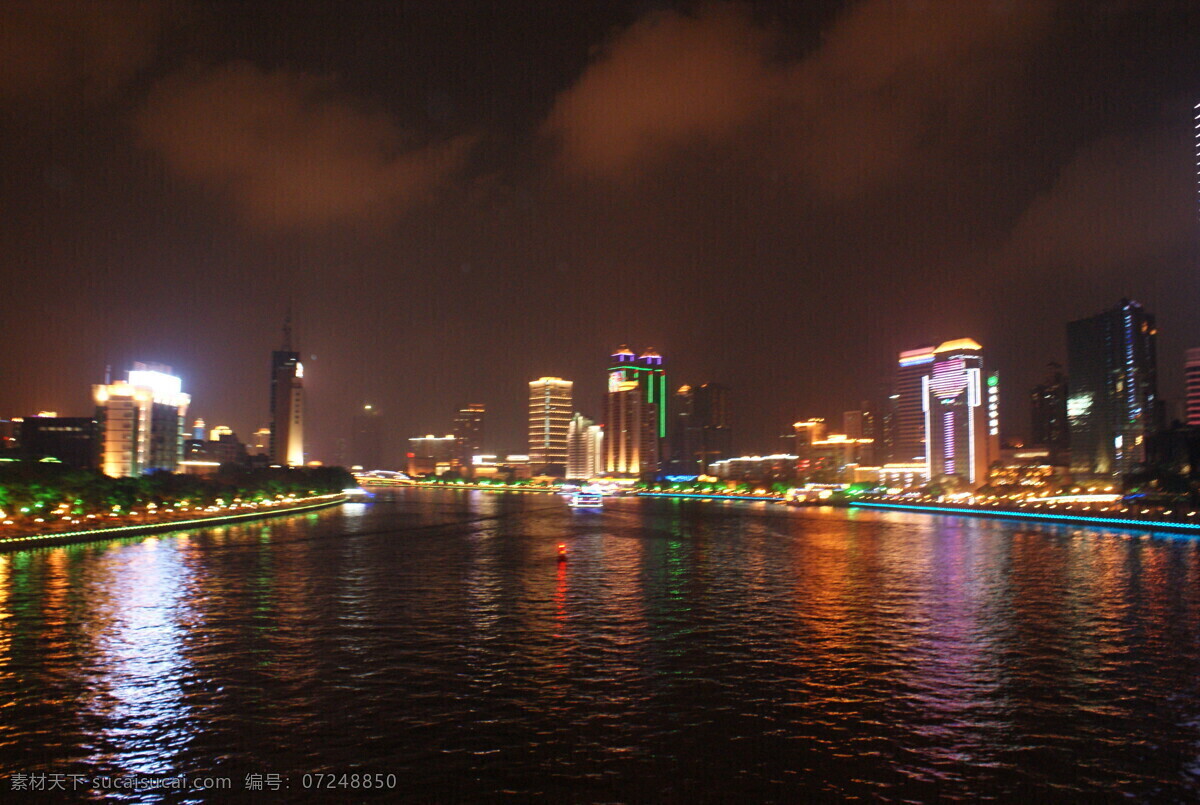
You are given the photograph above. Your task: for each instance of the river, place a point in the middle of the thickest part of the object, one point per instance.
(686, 651)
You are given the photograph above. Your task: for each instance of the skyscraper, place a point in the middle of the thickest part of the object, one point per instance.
(907, 430)
(1113, 403)
(550, 409)
(141, 421)
(701, 433)
(468, 432)
(961, 413)
(585, 448)
(1048, 413)
(648, 372)
(631, 437)
(859, 424)
(287, 402)
(366, 438)
(1192, 381)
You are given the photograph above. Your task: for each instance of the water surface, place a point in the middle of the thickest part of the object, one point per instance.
(687, 651)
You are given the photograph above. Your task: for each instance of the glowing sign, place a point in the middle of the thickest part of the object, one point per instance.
(158, 382)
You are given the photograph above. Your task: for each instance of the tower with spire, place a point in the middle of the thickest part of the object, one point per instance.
(287, 401)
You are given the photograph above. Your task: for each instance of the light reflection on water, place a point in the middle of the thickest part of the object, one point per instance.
(686, 650)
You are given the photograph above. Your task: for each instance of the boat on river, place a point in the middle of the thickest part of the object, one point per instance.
(588, 497)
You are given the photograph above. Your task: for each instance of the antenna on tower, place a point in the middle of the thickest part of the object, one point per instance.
(287, 330)
(1196, 117)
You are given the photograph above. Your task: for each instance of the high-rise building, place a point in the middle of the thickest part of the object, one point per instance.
(1113, 404)
(1048, 414)
(585, 448)
(648, 372)
(550, 408)
(701, 433)
(859, 424)
(631, 438)
(468, 431)
(141, 421)
(287, 402)
(198, 430)
(636, 412)
(217, 431)
(961, 413)
(366, 438)
(907, 432)
(1192, 380)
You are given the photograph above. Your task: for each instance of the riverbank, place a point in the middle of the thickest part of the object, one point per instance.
(32, 540)
(544, 490)
(1174, 522)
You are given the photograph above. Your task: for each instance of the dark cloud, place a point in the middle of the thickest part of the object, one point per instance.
(668, 78)
(892, 83)
(289, 148)
(1122, 202)
(77, 49)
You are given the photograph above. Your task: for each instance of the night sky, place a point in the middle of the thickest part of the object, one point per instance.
(456, 198)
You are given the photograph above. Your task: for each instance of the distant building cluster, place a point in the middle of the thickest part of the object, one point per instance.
(1095, 422)
(140, 425)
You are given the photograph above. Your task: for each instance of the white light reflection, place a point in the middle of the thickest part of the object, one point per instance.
(139, 664)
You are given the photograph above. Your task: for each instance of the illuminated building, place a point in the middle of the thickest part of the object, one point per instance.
(218, 431)
(648, 372)
(834, 458)
(961, 414)
(700, 433)
(513, 466)
(1192, 389)
(804, 434)
(903, 475)
(141, 421)
(431, 455)
(75, 441)
(9, 429)
(631, 437)
(585, 448)
(778, 467)
(1048, 414)
(550, 409)
(468, 430)
(908, 415)
(198, 429)
(287, 403)
(1023, 470)
(1113, 402)
(261, 445)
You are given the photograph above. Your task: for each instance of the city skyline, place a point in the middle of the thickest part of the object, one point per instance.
(761, 240)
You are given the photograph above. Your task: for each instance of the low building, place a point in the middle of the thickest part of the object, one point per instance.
(1025, 469)
(75, 441)
(904, 475)
(432, 455)
(778, 467)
